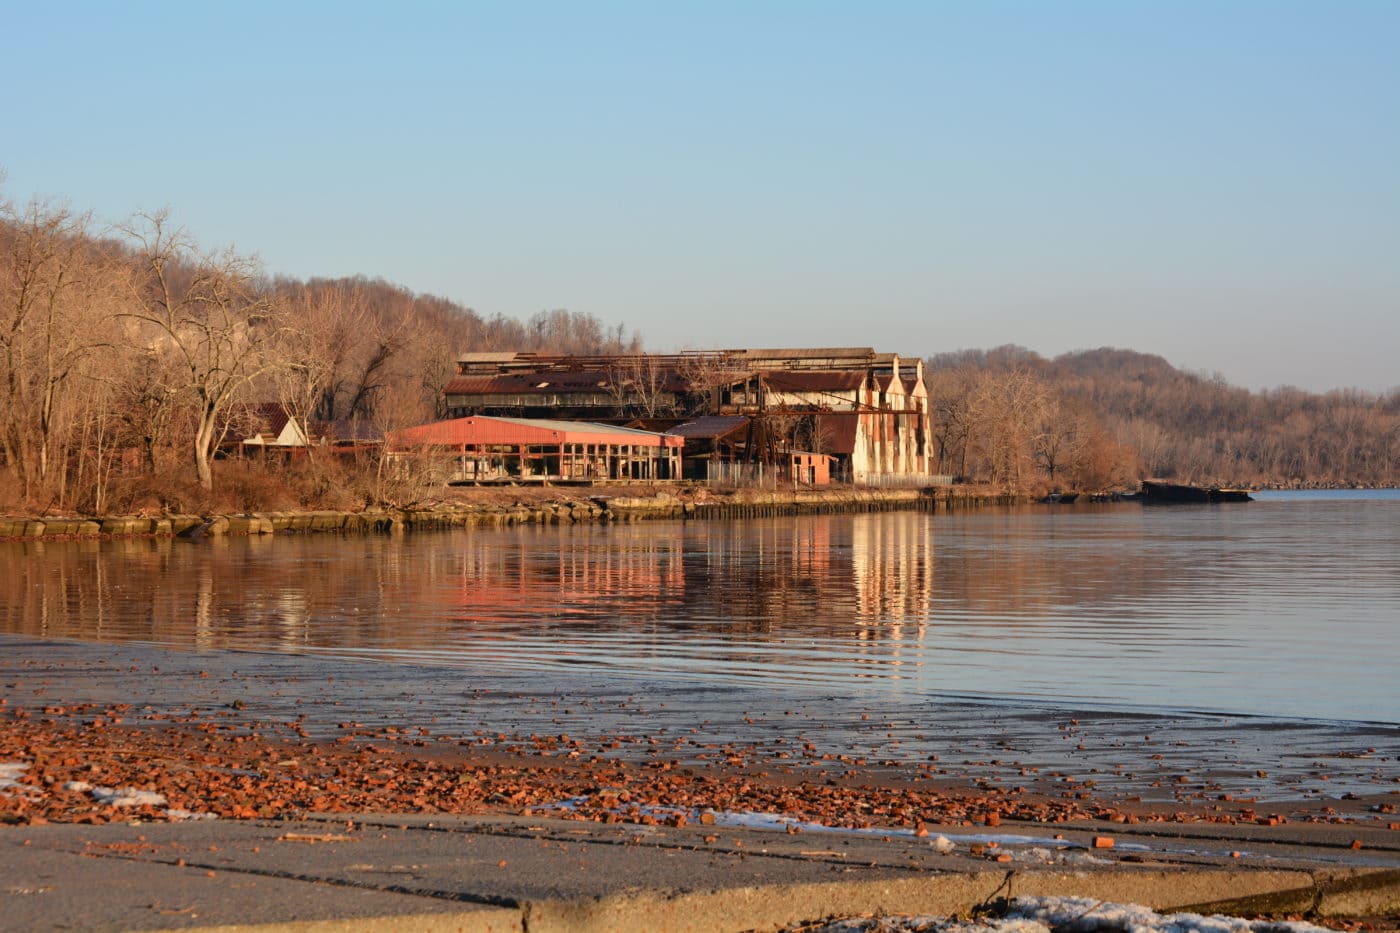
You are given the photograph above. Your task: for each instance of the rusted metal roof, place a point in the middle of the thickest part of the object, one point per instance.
(556, 382)
(837, 381)
(471, 385)
(268, 417)
(710, 427)
(528, 383)
(837, 431)
(496, 356)
(887, 382)
(480, 429)
(542, 380)
(807, 353)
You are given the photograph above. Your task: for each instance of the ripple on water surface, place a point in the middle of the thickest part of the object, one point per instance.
(1285, 606)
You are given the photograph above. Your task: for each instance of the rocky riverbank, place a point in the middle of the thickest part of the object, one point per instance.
(496, 508)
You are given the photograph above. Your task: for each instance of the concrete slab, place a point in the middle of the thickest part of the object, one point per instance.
(184, 877)
(515, 873)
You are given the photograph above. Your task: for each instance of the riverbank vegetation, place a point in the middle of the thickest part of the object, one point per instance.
(130, 357)
(1108, 404)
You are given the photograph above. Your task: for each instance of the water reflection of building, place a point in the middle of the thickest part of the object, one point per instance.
(767, 576)
(892, 568)
(587, 574)
(784, 577)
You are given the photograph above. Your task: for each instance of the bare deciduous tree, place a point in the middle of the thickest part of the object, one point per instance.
(55, 321)
(950, 399)
(708, 376)
(643, 386)
(206, 311)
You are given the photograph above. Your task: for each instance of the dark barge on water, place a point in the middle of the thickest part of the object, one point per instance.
(1180, 492)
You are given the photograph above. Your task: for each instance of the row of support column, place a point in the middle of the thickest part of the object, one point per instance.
(568, 461)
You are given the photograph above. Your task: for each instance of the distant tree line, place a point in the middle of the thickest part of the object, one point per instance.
(130, 356)
(1093, 418)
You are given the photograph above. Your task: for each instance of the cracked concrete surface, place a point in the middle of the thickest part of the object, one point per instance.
(509, 873)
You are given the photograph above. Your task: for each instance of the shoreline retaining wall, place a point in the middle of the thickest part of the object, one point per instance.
(598, 508)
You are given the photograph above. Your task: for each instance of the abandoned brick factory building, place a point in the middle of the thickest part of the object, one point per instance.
(844, 414)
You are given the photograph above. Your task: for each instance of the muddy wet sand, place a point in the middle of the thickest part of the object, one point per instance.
(243, 733)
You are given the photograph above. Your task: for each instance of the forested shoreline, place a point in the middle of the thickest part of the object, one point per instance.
(129, 354)
(1131, 410)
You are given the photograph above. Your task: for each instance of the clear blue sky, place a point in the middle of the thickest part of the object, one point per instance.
(1216, 182)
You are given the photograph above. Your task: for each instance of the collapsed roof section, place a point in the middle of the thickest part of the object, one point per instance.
(751, 360)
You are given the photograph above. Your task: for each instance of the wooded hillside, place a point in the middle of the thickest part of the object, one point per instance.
(129, 355)
(1091, 409)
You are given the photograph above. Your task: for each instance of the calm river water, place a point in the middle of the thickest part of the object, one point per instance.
(1288, 606)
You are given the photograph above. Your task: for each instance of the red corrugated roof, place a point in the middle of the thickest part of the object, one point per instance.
(479, 429)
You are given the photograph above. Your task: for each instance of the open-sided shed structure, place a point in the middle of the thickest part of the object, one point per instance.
(482, 449)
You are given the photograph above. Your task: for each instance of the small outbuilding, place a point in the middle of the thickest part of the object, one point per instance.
(274, 433)
(809, 469)
(479, 449)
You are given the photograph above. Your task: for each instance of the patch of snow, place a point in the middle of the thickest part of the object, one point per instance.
(880, 925)
(176, 814)
(9, 779)
(80, 787)
(1039, 855)
(768, 821)
(127, 797)
(1065, 851)
(1065, 915)
(1086, 915)
(746, 819)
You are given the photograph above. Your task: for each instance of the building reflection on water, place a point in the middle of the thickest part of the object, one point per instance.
(1136, 604)
(861, 577)
(780, 579)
